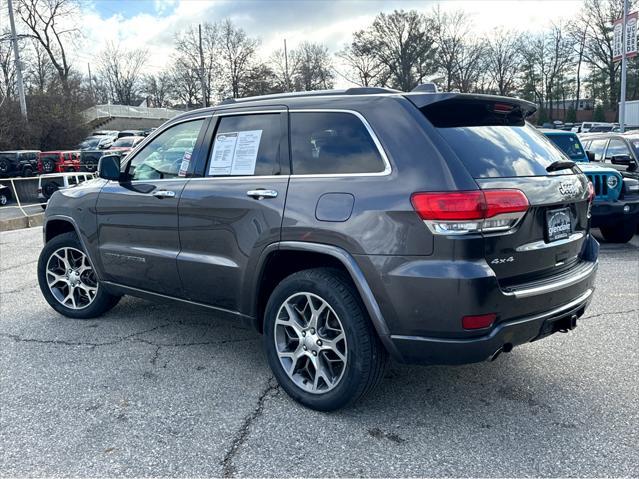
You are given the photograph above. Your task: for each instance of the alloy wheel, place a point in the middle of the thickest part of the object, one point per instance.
(71, 278)
(310, 343)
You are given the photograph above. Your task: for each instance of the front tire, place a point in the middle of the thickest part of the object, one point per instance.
(620, 233)
(4, 199)
(319, 341)
(68, 281)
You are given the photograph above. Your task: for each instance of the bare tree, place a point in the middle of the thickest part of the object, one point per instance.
(312, 67)
(157, 88)
(365, 69)
(469, 66)
(187, 45)
(237, 53)
(598, 49)
(50, 22)
(122, 72)
(503, 60)
(185, 85)
(403, 43)
(7, 70)
(451, 33)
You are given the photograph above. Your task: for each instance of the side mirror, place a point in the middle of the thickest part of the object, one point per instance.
(109, 167)
(591, 156)
(624, 160)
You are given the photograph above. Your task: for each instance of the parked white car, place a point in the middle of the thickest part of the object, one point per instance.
(49, 184)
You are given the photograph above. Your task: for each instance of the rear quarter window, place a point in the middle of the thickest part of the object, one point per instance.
(332, 143)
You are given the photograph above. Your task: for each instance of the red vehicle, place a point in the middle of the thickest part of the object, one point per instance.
(126, 144)
(58, 161)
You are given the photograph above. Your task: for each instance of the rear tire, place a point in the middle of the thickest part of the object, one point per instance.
(620, 233)
(341, 345)
(27, 171)
(68, 282)
(3, 199)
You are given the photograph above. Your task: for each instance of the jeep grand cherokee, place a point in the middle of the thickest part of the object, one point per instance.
(346, 226)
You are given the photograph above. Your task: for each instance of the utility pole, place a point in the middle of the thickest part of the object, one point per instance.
(622, 103)
(204, 100)
(90, 82)
(288, 81)
(14, 40)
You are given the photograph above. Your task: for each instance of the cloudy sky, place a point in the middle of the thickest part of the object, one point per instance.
(152, 24)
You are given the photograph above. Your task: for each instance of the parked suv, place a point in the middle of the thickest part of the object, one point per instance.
(615, 210)
(18, 163)
(345, 226)
(58, 161)
(52, 182)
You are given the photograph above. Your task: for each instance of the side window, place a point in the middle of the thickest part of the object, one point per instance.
(165, 157)
(73, 180)
(246, 145)
(616, 147)
(332, 143)
(597, 147)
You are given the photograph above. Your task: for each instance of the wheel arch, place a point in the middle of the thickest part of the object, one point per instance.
(279, 260)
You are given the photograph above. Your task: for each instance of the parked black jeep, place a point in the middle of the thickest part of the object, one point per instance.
(18, 163)
(89, 160)
(346, 226)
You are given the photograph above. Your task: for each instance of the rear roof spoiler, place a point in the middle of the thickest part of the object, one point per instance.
(424, 99)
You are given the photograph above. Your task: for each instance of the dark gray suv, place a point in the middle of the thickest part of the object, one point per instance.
(346, 226)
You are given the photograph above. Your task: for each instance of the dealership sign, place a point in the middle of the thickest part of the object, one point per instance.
(631, 37)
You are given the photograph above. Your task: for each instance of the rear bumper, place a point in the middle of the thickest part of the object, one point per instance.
(503, 337)
(423, 302)
(606, 213)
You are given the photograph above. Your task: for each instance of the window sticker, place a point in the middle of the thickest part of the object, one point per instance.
(184, 166)
(235, 153)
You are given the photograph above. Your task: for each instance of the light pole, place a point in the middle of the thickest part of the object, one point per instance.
(16, 53)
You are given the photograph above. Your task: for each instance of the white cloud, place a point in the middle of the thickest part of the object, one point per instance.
(331, 23)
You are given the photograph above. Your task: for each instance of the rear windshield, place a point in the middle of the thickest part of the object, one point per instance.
(570, 145)
(491, 140)
(126, 141)
(53, 156)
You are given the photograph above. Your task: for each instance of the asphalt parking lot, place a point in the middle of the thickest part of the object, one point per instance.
(160, 390)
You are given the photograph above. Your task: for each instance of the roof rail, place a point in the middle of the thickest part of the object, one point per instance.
(297, 94)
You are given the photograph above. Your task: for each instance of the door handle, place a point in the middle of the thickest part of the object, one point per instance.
(164, 194)
(262, 193)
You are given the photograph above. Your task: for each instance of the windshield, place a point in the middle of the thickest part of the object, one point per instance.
(570, 145)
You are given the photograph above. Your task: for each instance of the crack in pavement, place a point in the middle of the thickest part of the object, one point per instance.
(242, 434)
(17, 266)
(62, 342)
(608, 313)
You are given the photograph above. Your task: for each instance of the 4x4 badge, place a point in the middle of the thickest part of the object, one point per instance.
(567, 188)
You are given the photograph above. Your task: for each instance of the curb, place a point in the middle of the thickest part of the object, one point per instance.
(22, 222)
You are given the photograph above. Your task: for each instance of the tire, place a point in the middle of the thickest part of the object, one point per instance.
(49, 188)
(3, 199)
(27, 171)
(68, 245)
(364, 356)
(5, 166)
(620, 233)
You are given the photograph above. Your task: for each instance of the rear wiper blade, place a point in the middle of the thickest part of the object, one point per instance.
(560, 165)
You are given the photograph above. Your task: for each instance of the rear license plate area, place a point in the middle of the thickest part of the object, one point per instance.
(558, 224)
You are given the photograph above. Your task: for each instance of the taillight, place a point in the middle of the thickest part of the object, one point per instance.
(461, 212)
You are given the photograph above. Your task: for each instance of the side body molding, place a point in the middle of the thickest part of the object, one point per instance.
(358, 279)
